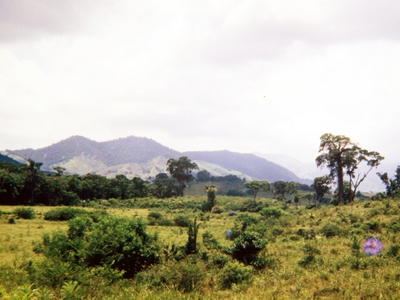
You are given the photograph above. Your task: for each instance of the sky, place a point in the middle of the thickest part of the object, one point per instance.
(245, 76)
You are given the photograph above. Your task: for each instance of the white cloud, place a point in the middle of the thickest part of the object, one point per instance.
(267, 76)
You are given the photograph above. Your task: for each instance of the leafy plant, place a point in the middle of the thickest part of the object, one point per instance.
(330, 230)
(25, 213)
(182, 221)
(246, 247)
(235, 273)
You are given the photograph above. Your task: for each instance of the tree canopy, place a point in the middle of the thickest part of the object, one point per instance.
(181, 170)
(256, 186)
(340, 155)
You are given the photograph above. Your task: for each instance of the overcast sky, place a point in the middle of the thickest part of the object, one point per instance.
(246, 76)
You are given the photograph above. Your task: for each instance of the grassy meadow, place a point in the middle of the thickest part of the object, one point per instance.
(309, 253)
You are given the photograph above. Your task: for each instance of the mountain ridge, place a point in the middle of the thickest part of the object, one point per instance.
(142, 157)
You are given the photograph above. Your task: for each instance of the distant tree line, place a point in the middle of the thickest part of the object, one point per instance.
(205, 176)
(28, 185)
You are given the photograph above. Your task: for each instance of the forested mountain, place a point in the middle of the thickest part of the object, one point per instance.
(249, 164)
(143, 157)
(6, 159)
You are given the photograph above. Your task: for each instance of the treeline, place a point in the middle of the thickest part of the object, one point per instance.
(26, 184)
(205, 176)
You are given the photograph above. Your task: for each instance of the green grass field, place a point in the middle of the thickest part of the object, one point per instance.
(336, 270)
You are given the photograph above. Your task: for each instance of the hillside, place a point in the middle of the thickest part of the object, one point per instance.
(249, 164)
(143, 157)
(6, 159)
(81, 155)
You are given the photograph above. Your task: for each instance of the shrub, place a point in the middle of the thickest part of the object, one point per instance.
(220, 260)
(271, 212)
(235, 273)
(310, 258)
(63, 214)
(209, 241)
(184, 276)
(393, 227)
(246, 247)
(119, 243)
(393, 250)
(372, 226)
(25, 213)
(330, 230)
(217, 210)
(155, 215)
(182, 221)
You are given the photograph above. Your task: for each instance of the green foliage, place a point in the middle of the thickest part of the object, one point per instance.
(193, 229)
(203, 176)
(119, 243)
(217, 210)
(321, 186)
(63, 214)
(71, 291)
(181, 170)
(246, 247)
(185, 276)
(393, 251)
(256, 186)
(281, 189)
(210, 190)
(271, 212)
(182, 221)
(341, 156)
(25, 213)
(310, 256)
(155, 215)
(235, 273)
(209, 241)
(330, 230)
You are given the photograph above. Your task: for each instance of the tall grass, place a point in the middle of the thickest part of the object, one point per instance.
(309, 253)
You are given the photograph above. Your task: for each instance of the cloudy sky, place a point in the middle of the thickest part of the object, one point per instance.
(246, 76)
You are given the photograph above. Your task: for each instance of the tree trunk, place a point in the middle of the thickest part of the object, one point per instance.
(340, 182)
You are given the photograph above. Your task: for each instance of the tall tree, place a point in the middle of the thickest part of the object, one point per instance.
(256, 186)
(181, 170)
(340, 154)
(352, 161)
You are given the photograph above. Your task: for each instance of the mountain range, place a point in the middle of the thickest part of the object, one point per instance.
(143, 157)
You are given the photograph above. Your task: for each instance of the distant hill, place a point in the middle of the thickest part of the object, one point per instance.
(143, 157)
(6, 159)
(78, 151)
(249, 164)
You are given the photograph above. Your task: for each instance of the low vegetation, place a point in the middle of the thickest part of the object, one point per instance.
(171, 249)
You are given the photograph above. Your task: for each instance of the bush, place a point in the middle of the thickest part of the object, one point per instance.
(269, 212)
(393, 250)
(182, 221)
(330, 230)
(25, 213)
(235, 273)
(118, 243)
(155, 215)
(184, 276)
(372, 226)
(246, 247)
(217, 210)
(63, 214)
(209, 241)
(220, 260)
